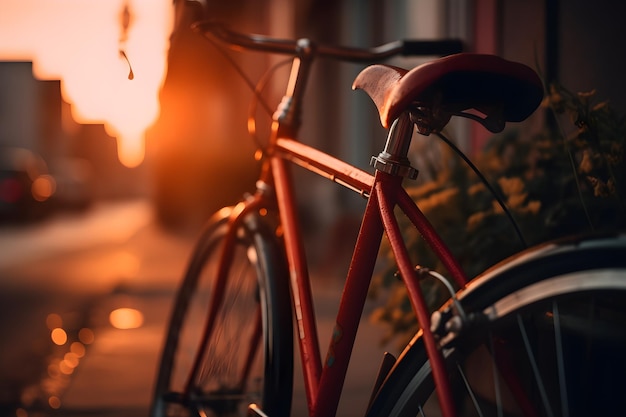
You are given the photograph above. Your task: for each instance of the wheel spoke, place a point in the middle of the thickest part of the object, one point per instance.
(251, 327)
(535, 367)
(560, 360)
(223, 367)
(555, 343)
(469, 390)
(496, 378)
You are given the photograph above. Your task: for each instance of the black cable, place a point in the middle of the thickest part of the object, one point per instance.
(237, 68)
(258, 89)
(487, 184)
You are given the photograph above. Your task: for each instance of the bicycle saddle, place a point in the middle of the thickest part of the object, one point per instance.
(461, 84)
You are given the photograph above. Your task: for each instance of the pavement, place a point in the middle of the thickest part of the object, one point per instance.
(129, 261)
(84, 266)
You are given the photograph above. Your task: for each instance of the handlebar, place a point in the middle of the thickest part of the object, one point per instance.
(351, 54)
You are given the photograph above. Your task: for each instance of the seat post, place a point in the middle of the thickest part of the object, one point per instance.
(394, 158)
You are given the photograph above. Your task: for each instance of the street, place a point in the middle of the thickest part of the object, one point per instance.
(76, 269)
(70, 272)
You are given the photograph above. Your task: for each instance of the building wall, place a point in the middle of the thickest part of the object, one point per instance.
(591, 53)
(19, 99)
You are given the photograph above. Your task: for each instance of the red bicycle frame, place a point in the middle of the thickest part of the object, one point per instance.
(324, 381)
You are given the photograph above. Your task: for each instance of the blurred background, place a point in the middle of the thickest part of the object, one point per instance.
(121, 130)
(167, 133)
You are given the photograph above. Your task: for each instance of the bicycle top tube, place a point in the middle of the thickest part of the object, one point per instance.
(344, 53)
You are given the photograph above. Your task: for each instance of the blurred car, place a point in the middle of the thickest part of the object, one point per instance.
(26, 186)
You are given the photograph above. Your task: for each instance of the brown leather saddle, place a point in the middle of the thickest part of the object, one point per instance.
(485, 88)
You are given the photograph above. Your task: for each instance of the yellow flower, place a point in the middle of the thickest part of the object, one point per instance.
(516, 200)
(441, 198)
(511, 186)
(475, 219)
(476, 188)
(533, 206)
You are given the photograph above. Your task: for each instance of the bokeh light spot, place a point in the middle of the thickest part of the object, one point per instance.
(65, 368)
(126, 318)
(59, 337)
(86, 336)
(54, 402)
(71, 359)
(78, 349)
(43, 187)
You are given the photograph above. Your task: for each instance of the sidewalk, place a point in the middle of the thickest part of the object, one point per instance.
(70, 232)
(120, 367)
(84, 265)
(116, 375)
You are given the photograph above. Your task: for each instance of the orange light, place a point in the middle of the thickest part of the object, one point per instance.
(43, 187)
(126, 318)
(58, 336)
(78, 349)
(54, 402)
(71, 359)
(86, 336)
(78, 42)
(66, 368)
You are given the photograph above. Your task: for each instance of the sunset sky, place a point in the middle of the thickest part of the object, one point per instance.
(79, 42)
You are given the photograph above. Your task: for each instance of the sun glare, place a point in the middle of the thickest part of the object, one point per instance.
(79, 42)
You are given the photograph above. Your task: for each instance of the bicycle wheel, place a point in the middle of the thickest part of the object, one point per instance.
(249, 354)
(547, 338)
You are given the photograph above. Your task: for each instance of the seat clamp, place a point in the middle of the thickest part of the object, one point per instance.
(401, 169)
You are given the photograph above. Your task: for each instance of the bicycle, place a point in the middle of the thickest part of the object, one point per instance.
(524, 338)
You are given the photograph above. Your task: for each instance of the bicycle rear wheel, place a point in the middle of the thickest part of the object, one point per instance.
(548, 339)
(248, 356)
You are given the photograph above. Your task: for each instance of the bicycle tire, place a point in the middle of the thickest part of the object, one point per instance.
(265, 291)
(565, 303)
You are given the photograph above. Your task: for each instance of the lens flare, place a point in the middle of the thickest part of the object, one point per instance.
(79, 42)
